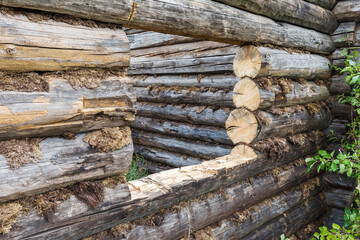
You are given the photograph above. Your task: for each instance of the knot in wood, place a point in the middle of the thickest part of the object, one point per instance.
(10, 50)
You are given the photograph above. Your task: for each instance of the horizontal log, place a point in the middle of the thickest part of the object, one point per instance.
(195, 57)
(150, 195)
(307, 231)
(146, 39)
(247, 221)
(53, 46)
(64, 109)
(347, 11)
(341, 110)
(345, 27)
(251, 61)
(290, 222)
(63, 163)
(300, 13)
(328, 4)
(156, 167)
(334, 215)
(339, 198)
(216, 205)
(339, 181)
(339, 85)
(193, 148)
(165, 157)
(231, 25)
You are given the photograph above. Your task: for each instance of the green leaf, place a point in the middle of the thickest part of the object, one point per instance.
(335, 226)
(344, 52)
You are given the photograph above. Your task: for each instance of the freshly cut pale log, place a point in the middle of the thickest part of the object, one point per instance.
(221, 81)
(150, 195)
(195, 57)
(243, 151)
(328, 4)
(145, 39)
(256, 216)
(286, 124)
(190, 114)
(64, 109)
(339, 198)
(52, 46)
(251, 61)
(165, 157)
(178, 129)
(247, 94)
(347, 11)
(340, 181)
(63, 162)
(292, 11)
(241, 126)
(290, 222)
(339, 85)
(193, 148)
(193, 18)
(209, 209)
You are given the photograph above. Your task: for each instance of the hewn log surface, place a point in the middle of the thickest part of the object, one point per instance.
(195, 57)
(189, 18)
(63, 162)
(340, 181)
(339, 85)
(64, 109)
(199, 149)
(292, 11)
(341, 110)
(328, 4)
(52, 46)
(347, 11)
(339, 198)
(148, 195)
(251, 61)
(334, 215)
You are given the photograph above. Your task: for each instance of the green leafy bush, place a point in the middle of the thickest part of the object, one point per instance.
(137, 169)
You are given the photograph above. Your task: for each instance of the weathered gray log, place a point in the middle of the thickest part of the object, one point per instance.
(307, 231)
(146, 39)
(339, 85)
(165, 157)
(339, 198)
(341, 110)
(64, 109)
(149, 195)
(190, 114)
(52, 46)
(178, 129)
(201, 213)
(347, 11)
(328, 4)
(334, 215)
(345, 27)
(340, 181)
(251, 61)
(195, 57)
(290, 222)
(156, 167)
(63, 162)
(254, 217)
(193, 148)
(189, 18)
(292, 11)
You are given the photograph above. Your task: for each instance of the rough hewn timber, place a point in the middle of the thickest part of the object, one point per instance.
(195, 57)
(64, 109)
(339, 85)
(148, 195)
(328, 4)
(199, 149)
(292, 11)
(194, 18)
(63, 162)
(251, 61)
(334, 215)
(52, 46)
(347, 11)
(339, 198)
(340, 181)
(341, 110)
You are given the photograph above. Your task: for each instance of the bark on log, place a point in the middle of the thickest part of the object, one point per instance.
(189, 18)
(340, 181)
(63, 163)
(290, 222)
(339, 85)
(347, 11)
(254, 217)
(149, 195)
(334, 215)
(328, 4)
(339, 198)
(165, 157)
(199, 149)
(64, 109)
(52, 46)
(341, 110)
(251, 61)
(300, 13)
(199, 213)
(195, 57)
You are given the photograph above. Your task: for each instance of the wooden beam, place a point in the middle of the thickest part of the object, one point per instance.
(53, 46)
(296, 12)
(328, 4)
(64, 109)
(199, 19)
(347, 11)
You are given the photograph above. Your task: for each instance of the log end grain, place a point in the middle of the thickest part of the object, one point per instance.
(241, 126)
(247, 94)
(243, 152)
(247, 62)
